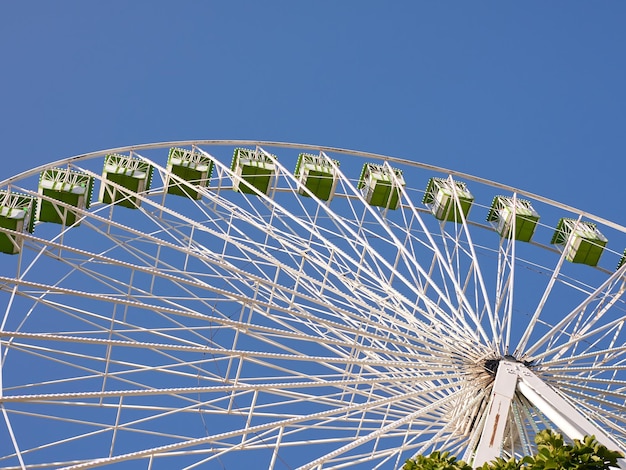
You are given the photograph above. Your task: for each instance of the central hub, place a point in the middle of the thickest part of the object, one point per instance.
(491, 365)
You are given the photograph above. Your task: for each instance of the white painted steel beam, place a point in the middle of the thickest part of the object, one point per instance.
(514, 377)
(490, 444)
(565, 416)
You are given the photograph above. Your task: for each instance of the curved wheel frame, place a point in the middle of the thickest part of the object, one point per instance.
(349, 313)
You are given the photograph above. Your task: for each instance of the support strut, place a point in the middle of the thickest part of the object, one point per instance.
(514, 377)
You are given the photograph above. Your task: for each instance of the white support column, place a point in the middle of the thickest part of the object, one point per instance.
(512, 377)
(565, 416)
(490, 444)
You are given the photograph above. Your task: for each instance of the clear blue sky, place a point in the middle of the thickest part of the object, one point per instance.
(531, 94)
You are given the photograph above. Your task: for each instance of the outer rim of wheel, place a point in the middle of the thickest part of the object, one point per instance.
(338, 150)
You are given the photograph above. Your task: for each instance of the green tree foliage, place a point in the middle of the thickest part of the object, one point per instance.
(553, 453)
(435, 461)
(503, 464)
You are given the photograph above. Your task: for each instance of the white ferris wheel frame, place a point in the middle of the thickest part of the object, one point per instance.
(450, 306)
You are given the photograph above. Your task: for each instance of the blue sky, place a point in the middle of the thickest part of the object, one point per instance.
(530, 94)
(526, 93)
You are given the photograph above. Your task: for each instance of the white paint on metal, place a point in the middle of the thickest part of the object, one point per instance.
(490, 444)
(514, 377)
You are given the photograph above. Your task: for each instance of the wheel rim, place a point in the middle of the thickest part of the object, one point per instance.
(294, 331)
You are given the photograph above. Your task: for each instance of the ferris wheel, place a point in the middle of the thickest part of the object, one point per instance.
(221, 304)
